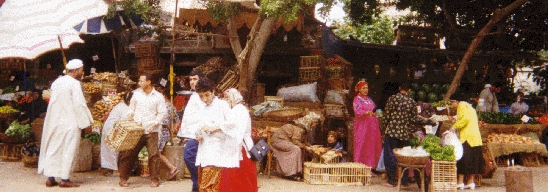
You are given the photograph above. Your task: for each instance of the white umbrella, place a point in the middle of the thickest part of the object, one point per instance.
(29, 28)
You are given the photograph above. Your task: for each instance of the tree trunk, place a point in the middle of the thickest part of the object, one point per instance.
(249, 58)
(234, 38)
(497, 16)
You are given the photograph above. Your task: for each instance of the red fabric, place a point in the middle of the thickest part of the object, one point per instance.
(359, 85)
(243, 179)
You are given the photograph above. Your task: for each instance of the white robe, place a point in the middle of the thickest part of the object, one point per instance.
(67, 113)
(109, 157)
(237, 130)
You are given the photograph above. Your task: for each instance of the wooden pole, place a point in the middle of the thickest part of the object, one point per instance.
(63, 53)
(114, 54)
(171, 73)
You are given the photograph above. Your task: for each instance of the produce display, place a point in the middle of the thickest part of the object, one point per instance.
(106, 76)
(94, 137)
(30, 149)
(428, 92)
(16, 129)
(91, 87)
(104, 106)
(8, 109)
(432, 144)
(441, 103)
(502, 118)
(510, 138)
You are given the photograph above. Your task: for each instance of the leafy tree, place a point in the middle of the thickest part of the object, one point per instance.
(270, 12)
(380, 31)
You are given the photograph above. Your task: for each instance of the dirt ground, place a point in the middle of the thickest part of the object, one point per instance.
(15, 177)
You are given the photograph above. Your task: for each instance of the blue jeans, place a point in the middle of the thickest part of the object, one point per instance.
(390, 163)
(191, 149)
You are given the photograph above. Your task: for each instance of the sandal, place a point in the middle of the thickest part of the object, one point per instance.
(172, 176)
(123, 184)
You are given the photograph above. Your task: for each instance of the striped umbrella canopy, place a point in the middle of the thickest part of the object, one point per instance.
(101, 24)
(30, 28)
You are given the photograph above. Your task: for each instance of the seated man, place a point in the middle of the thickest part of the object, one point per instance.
(287, 143)
(519, 107)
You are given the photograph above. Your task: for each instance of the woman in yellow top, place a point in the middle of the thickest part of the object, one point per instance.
(471, 162)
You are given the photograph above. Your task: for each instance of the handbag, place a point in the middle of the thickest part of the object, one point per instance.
(259, 150)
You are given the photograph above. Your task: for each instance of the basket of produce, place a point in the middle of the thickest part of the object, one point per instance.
(287, 114)
(411, 156)
(8, 112)
(16, 133)
(29, 154)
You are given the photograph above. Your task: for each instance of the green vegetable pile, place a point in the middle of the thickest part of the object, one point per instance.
(432, 144)
(17, 129)
(502, 118)
(441, 103)
(94, 137)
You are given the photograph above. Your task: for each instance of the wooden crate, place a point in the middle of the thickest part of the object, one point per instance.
(147, 49)
(307, 74)
(313, 61)
(149, 63)
(443, 176)
(124, 135)
(279, 100)
(337, 174)
(334, 110)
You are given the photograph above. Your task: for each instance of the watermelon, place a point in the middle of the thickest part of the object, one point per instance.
(445, 88)
(436, 88)
(432, 97)
(415, 86)
(412, 94)
(421, 95)
(441, 96)
(427, 88)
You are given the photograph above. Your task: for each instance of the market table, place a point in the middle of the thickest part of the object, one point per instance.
(500, 149)
(511, 128)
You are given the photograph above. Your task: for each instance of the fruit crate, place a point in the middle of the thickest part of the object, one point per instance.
(443, 176)
(309, 74)
(145, 49)
(313, 61)
(349, 173)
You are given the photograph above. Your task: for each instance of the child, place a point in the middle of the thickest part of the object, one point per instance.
(335, 149)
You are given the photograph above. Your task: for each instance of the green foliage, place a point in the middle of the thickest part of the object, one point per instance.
(380, 31)
(94, 137)
(361, 11)
(222, 11)
(16, 128)
(502, 118)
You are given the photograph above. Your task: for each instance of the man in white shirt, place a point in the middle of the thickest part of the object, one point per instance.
(67, 114)
(487, 100)
(187, 130)
(519, 107)
(147, 108)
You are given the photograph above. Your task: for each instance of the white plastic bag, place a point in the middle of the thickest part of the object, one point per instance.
(451, 138)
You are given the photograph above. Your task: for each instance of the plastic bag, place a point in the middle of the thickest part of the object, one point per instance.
(380, 165)
(451, 138)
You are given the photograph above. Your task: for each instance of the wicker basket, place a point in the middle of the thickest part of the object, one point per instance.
(29, 161)
(410, 160)
(334, 110)
(333, 72)
(288, 114)
(279, 100)
(149, 63)
(10, 152)
(313, 61)
(337, 174)
(124, 135)
(145, 49)
(308, 74)
(444, 176)
(14, 139)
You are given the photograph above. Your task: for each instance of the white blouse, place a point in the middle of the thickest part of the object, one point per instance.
(210, 148)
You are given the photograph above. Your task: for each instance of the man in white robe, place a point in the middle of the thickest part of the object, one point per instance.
(67, 114)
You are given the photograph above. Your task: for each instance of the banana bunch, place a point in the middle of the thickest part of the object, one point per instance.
(8, 109)
(90, 87)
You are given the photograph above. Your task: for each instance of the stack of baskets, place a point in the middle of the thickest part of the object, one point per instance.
(311, 68)
(147, 58)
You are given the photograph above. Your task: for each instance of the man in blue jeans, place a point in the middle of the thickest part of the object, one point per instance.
(401, 118)
(189, 126)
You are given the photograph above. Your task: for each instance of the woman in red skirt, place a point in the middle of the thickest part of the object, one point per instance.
(242, 177)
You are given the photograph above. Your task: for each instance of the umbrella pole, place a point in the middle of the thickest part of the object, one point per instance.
(171, 74)
(63, 53)
(25, 76)
(114, 54)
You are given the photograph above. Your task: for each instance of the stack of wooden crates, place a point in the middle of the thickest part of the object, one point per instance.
(148, 61)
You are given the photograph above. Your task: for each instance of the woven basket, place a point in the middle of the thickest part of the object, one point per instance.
(410, 160)
(7, 139)
(349, 173)
(284, 114)
(124, 135)
(29, 161)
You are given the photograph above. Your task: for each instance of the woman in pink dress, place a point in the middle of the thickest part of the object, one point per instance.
(367, 135)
